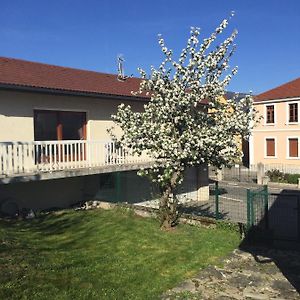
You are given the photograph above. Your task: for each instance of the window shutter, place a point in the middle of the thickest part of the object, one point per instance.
(270, 147)
(293, 147)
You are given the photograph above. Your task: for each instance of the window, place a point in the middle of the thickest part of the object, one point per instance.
(55, 126)
(293, 147)
(45, 126)
(270, 118)
(293, 112)
(270, 147)
(59, 125)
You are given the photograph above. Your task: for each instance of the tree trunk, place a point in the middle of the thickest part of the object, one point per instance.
(168, 203)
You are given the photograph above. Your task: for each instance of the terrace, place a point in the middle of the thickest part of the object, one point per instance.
(41, 160)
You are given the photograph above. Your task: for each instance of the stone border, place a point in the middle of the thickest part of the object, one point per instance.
(148, 212)
(280, 184)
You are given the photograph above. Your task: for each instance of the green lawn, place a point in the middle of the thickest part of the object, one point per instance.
(102, 255)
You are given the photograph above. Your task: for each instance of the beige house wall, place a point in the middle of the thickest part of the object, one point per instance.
(281, 130)
(16, 113)
(17, 124)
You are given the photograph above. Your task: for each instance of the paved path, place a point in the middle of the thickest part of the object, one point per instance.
(259, 274)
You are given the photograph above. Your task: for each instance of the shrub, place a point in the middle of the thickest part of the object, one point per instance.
(278, 176)
(292, 178)
(275, 175)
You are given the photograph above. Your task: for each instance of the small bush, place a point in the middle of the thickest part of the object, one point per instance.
(277, 176)
(292, 178)
(221, 224)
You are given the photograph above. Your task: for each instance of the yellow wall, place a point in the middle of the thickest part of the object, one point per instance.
(223, 100)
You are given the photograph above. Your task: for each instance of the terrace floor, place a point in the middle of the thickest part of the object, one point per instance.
(72, 172)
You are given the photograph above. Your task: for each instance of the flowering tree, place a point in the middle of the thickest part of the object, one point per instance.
(184, 124)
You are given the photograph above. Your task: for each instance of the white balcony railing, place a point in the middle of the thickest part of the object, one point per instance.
(47, 156)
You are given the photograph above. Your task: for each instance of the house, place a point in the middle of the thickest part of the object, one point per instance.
(54, 146)
(243, 145)
(275, 141)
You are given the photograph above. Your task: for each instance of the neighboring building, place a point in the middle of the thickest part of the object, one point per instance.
(275, 141)
(242, 144)
(54, 145)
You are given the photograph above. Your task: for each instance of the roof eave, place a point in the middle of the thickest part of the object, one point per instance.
(25, 88)
(277, 100)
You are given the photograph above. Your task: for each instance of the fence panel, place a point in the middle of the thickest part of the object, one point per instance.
(276, 215)
(232, 202)
(226, 202)
(257, 207)
(236, 173)
(284, 168)
(239, 173)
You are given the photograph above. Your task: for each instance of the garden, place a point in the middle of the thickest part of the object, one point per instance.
(103, 254)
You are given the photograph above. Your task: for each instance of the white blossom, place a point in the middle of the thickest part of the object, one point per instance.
(176, 128)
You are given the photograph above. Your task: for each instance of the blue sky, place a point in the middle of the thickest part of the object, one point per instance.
(90, 34)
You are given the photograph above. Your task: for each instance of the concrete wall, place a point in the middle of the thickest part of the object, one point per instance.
(62, 193)
(40, 195)
(281, 130)
(16, 113)
(136, 189)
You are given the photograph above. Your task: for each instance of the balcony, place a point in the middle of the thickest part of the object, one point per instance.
(38, 160)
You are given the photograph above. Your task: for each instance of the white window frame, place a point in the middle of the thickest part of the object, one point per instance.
(288, 112)
(288, 147)
(265, 114)
(265, 147)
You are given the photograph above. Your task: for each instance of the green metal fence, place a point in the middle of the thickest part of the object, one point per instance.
(230, 202)
(267, 216)
(257, 207)
(225, 202)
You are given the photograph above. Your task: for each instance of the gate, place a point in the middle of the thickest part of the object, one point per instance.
(257, 208)
(275, 216)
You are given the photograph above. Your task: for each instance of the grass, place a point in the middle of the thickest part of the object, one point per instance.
(102, 255)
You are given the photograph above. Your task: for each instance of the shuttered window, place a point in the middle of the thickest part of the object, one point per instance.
(293, 112)
(293, 147)
(270, 117)
(270, 145)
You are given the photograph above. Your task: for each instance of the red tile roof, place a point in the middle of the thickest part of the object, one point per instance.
(21, 73)
(288, 90)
